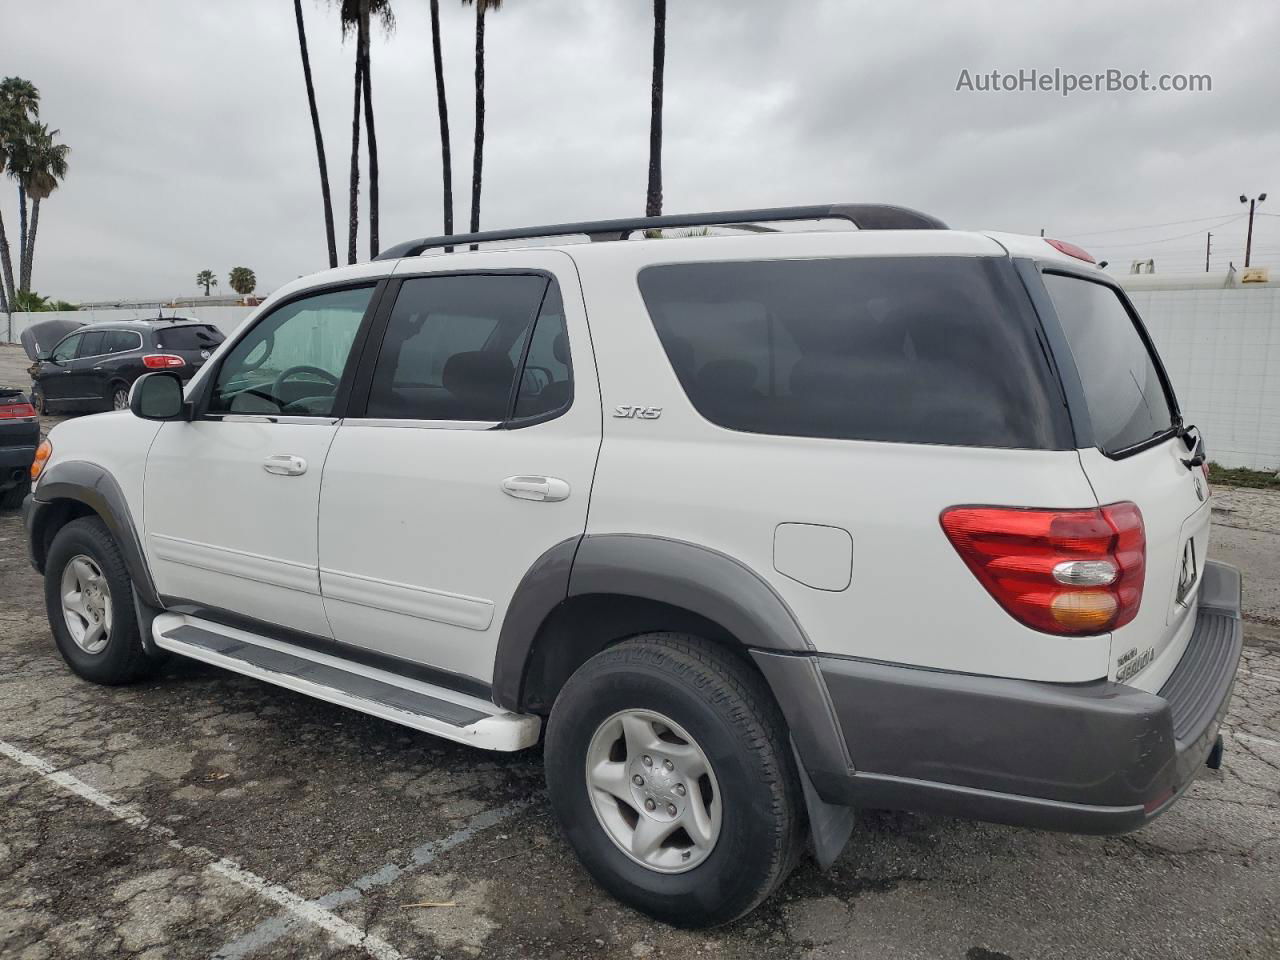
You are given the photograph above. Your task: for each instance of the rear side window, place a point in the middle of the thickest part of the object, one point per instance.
(921, 350)
(1127, 400)
(121, 341)
(188, 337)
(452, 347)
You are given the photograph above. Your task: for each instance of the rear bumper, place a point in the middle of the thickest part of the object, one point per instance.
(1096, 757)
(17, 458)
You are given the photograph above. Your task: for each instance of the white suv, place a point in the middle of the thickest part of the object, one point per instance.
(758, 527)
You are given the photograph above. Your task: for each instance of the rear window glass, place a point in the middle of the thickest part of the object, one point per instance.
(1122, 387)
(191, 337)
(922, 350)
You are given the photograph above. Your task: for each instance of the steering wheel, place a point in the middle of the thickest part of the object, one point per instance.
(303, 368)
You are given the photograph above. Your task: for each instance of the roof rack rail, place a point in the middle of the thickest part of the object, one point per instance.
(865, 216)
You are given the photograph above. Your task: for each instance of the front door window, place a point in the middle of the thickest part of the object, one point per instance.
(292, 362)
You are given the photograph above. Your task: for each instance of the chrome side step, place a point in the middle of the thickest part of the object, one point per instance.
(412, 703)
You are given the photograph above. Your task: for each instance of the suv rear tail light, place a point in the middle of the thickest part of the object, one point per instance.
(1069, 572)
(162, 361)
(17, 411)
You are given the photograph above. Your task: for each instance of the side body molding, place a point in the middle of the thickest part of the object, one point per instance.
(96, 488)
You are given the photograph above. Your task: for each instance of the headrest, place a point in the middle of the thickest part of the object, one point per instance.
(479, 375)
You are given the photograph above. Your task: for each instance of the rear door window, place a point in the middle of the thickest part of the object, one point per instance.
(1127, 399)
(923, 350)
(91, 345)
(452, 347)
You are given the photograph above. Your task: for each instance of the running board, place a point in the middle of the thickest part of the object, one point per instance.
(412, 703)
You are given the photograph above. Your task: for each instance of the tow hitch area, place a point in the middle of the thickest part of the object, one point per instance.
(1214, 760)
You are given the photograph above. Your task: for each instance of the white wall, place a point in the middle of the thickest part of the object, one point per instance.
(1220, 345)
(1222, 350)
(226, 318)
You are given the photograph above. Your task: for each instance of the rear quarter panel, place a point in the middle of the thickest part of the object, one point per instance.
(910, 598)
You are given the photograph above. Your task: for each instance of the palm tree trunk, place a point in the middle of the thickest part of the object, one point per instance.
(442, 110)
(653, 198)
(29, 255)
(315, 127)
(6, 267)
(477, 163)
(353, 221)
(22, 237)
(364, 43)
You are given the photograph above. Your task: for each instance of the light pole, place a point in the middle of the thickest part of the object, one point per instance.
(1248, 244)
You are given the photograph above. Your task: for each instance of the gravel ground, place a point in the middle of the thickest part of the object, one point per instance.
(206, 815)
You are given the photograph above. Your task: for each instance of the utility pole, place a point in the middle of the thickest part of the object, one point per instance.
(1248, 244)
(1208, 240)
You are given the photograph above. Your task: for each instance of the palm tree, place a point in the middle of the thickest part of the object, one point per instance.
(47, 168)
(357, 15)
(653, 198)
(242, 280)
(19, 106)
(206, 279)
(315, 127)
(442, 110)
(477, 161)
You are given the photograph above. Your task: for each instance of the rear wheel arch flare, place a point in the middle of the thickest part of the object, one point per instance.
(618, 585)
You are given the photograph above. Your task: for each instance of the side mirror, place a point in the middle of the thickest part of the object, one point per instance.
(158, 396)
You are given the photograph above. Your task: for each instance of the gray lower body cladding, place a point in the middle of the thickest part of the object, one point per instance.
(1096, 757)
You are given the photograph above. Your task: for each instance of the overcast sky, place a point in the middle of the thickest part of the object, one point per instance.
(192, 145)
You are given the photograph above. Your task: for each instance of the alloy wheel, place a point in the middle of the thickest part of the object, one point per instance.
(86, 604)
(653, 790)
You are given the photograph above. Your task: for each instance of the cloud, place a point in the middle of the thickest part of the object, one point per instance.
(192, 144)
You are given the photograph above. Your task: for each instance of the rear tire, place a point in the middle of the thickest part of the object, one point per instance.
(686, 689)
(12, 498)
(97, 630)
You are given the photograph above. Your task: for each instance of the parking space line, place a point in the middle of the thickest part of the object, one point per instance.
(304, 911)
(1261, 741)
(271, 930)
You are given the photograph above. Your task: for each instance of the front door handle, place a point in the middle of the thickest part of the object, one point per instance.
(285, 466)
(535, 488)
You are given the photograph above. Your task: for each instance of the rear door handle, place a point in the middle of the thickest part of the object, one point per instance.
(285, 466)
(535, 488)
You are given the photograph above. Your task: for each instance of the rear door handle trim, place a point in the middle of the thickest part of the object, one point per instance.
(284, 465)
(535, 488)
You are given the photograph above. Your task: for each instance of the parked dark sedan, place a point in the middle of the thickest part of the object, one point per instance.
(19, 435)
(93, 367)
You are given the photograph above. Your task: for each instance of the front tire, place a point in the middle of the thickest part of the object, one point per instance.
(38, 401)
(89, 599)
(636, 724)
